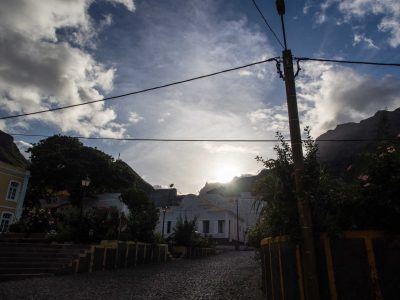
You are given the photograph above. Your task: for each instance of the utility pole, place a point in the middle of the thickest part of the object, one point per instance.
(237, 224)
(303, 203)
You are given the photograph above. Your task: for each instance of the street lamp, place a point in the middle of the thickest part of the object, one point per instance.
(85, 183)
(164, 210)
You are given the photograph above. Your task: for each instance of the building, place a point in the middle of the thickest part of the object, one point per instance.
(164, 197)
(14, 178)
(220, 223)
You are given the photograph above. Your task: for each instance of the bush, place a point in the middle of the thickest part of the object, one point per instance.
(35, 220)
(185, 233)
(94, 225)
(364, 197)
(143, 215)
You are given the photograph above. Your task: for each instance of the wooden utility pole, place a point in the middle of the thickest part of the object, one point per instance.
(303, 203)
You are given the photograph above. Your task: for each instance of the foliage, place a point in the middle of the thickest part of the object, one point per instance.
(143, 216)
(377, 184)
(205, 241)
(185, 233)
(94, 225)
(60, 163)
(35, 220)
(365, 197)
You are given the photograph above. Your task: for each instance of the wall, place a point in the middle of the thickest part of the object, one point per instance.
(194, 207)
(116, 255)
(10, 173)
(361, 265)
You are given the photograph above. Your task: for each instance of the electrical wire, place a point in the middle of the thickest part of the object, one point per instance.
(266, 23)
(348, 61)
(201, 140)
(139, 91)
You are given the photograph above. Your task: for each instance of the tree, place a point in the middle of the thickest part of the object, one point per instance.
(143, 215)
(61, 162)
(185, 232)
(364, 197)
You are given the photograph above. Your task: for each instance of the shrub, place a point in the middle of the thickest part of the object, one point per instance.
(185, 232)
(364, 197)
(143, 215)
(35, 220)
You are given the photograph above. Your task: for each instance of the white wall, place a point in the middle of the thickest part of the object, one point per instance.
(191, 207)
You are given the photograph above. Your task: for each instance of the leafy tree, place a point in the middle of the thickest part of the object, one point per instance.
(365, 197)
(143, 215)
(61, 162)
(185, 232)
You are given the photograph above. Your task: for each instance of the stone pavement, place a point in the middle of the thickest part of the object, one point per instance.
(230, 275)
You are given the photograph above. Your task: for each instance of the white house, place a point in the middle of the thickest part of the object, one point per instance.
(212, 220)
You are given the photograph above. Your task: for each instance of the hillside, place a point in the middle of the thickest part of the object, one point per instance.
(235, 187)
(9, 152)
(337, 155)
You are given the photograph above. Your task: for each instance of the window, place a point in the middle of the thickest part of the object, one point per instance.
(13, 191)
(221, 226)
(5, 221)
(206, 226)
(169, 227)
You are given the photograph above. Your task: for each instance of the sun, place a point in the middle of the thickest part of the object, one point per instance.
(225, 173)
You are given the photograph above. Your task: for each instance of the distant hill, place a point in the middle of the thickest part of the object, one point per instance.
(235, 187)
(9, 152)
(338, 155)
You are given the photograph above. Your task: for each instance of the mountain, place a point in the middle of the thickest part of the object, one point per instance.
(338, 155)
(9, 152)
(235, 187)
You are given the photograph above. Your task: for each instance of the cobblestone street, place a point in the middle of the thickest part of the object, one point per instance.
(231, 275)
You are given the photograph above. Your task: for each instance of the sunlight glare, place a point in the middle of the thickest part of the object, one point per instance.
(225, 173)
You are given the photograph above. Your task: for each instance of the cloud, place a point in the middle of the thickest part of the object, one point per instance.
(361, 38)
(134, 117)
(229, 148)
(47, 65)
(129, 4)
(196, 38)
(355, 10)
(23, 147)
(330, 95)
(270, 119)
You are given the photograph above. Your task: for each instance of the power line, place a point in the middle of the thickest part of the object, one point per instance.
(200, 140)
(266, 23)
(140, 91)
(348, 61)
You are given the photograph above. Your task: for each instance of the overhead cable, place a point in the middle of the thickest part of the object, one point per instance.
(139, 91)
(348, 61)
(201, 140)
(266, 23)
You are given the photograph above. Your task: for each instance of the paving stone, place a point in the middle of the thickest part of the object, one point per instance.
(230, 275)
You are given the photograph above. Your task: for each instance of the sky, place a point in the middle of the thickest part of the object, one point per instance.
(57, 52)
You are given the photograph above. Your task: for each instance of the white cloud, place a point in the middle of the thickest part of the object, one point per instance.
(134, 117)
(23, 147)
(47, 69)
(331, 95)
(229, 148)
(361, 38)
(214, 108)
(270, 119)
(129, 4)
(387, 10)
